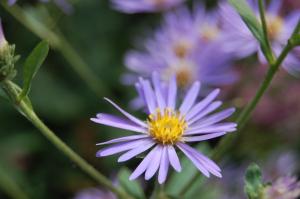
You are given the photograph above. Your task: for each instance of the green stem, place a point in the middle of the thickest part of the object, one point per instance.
(10, 187)
(12, 91)
(269, 54)
(57, 41)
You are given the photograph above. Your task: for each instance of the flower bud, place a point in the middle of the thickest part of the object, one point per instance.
(7, 58)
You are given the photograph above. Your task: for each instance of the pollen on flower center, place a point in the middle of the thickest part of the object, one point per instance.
(183, 77)
(275, 25)
(182, 48)
(209, 33)
(166, 127)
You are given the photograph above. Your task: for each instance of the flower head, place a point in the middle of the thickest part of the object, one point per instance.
(167, 128)
(186, 45)
(241, 42)
(133, 6)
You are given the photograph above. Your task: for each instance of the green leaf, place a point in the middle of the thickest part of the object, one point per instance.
(253, 182)
(132, 187)
(251, 21)
(32, 65)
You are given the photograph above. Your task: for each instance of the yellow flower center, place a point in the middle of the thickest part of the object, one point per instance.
(166, 127)
(275, 25)
(182, 48)
(183, 77)
(209, 33)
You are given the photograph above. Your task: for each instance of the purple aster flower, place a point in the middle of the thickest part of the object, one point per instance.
(94, 193)
(138, 6)
(242, 43)
(283, 188)
(3, 41)
(167, 128)
(186, 45)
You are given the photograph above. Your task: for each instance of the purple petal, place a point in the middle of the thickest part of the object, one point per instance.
(206, 162)
(118, 122)
(143, 165)
(193, 158)
(172, 92)
(134, 152)
(120, 147)
(139, 89)
(214, 118)
(274, 7)
(221, 127)
(173, 158)
(190, 98)
(149, 95)
(155, 162)
(128, 115)
(203, 137)
(158, 92)
(164, 166)
(213, 106)
(202, 104)
(124, 139)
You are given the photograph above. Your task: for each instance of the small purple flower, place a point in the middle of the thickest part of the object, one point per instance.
(283, 188)
(3, 41)
(186, 45)
(241, 43)
(167, 128)
(138, 6)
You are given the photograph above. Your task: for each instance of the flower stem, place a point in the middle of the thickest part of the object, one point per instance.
(12, 91)
(269, 53)
(10, 187)
(59, 42)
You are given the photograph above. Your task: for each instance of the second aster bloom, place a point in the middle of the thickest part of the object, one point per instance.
(139, 6)
(186, 45)
(167, 128)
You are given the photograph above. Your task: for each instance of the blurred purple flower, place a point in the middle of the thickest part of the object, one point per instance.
(3, 41)
(187, 45)
(166, 128)
(138, 6)
(283, 188)
(94, 193)
(241, 43)
(64, 5)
